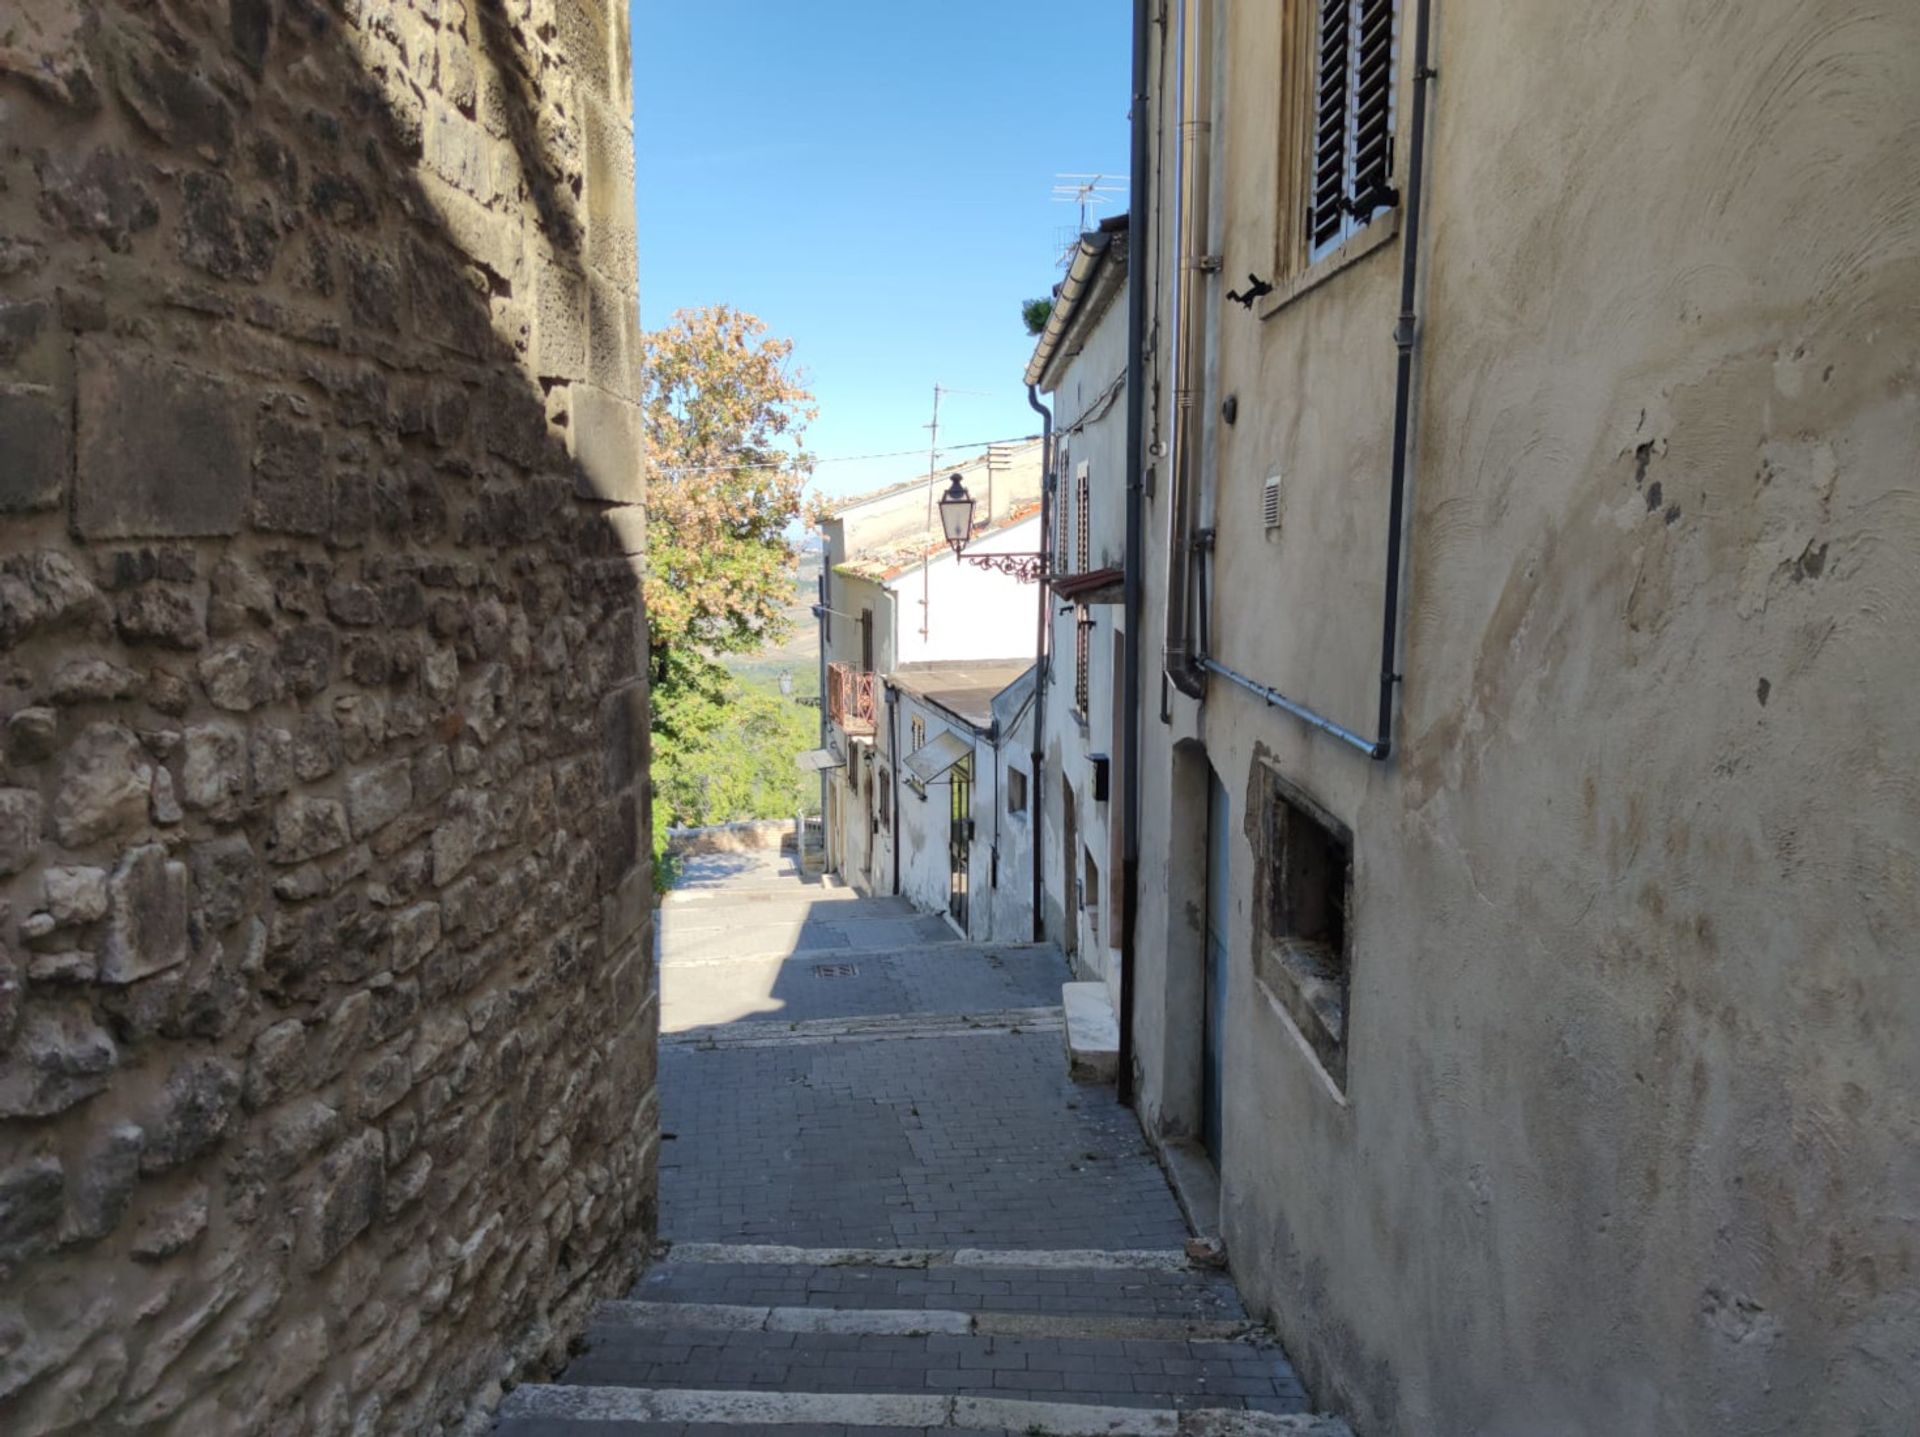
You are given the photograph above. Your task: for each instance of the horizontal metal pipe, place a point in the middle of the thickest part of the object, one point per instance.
(1300, 711)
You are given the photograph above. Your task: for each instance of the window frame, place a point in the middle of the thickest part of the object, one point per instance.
(1296, 971)
(1299, 263)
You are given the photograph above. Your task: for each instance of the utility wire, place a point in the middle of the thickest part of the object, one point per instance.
(845, 458)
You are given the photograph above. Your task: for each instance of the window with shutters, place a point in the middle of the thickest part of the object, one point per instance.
(1349, 178)
(1082, 514)
(1082, 656)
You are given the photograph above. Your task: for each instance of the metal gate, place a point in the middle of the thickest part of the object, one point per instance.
(960, 841)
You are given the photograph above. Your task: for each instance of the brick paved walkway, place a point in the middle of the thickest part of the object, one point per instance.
(891, 1210)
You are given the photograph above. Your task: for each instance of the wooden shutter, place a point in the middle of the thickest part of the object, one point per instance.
(1372, 82)
(1082, 513)
(1326, 203)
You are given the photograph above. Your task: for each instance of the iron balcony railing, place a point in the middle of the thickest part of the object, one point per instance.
(850, 701)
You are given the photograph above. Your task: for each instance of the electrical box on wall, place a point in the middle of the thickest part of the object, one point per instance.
(1099, 763)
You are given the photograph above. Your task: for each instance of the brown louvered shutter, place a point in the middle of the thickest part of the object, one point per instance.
(1372, 82)
(1326, 205)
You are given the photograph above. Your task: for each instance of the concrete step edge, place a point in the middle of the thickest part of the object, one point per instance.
(695, 921)
(762, 1410)
(917, 1322)
(943, 946)
(770, 1032)
(1032, 1259)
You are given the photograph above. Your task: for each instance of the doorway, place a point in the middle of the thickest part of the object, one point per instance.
(1214, 1019)
(960, 842)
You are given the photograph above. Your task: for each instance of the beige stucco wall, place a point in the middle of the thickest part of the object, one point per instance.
(1630, 1139)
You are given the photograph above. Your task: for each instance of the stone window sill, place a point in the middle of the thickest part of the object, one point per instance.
(1303, 980)
(1356, 248)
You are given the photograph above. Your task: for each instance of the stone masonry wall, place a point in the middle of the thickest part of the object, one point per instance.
(326, 1017)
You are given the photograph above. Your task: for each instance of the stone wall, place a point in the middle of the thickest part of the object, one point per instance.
(326, 1017)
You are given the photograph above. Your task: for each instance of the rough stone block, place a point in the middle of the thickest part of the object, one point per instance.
(344, 1197)
(107, 197)
(60, 1057)
(34, 454)
(607, 447)
(213, 771)
(623, 736)
(305, 828)
(105, 781)
(172, 1228)
(377, 796)
(44, 591)
(611, 246)
(19, 829)
(192, 1114)
(613, 328)
(32, 1197)
(147, 904)
(162, 449)
(74, 895)
(561, 316)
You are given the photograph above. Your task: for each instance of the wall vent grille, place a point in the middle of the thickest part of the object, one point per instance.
(1270, 503)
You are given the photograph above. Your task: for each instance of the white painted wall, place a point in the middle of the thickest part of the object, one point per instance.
(1091, 432)
(969, 612)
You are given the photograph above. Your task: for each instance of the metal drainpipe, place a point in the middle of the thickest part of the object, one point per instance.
(893, 757)
(1191, 161)
(1406, 335)
(1138, 263)
(1035, 793)
(826, 567)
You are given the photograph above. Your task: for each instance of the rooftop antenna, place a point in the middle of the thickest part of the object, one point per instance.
(1088, 191)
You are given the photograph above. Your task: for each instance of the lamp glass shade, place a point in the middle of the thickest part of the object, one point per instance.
(956, 514)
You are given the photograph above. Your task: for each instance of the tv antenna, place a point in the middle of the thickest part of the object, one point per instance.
(1088, 191)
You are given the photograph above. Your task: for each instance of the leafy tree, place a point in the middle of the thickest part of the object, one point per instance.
(726, 414)
(724, 748)
(1035, 313)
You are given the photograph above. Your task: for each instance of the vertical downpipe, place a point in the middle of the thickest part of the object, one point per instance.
(1139, 260)
(1035, 792)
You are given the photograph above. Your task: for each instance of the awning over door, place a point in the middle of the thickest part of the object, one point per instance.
(936, 756)
(817, 760)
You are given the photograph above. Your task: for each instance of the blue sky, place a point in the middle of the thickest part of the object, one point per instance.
(874, 180)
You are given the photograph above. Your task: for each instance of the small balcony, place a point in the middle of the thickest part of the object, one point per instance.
(850, 702)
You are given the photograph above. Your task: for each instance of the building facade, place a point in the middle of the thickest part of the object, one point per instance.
(1555, 1048)
(1080, 363)
(953, 772)
(894, 595)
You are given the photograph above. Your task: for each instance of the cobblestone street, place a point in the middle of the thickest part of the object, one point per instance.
(889, 1209)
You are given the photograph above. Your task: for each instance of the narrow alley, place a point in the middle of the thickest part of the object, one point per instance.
(885, 1207)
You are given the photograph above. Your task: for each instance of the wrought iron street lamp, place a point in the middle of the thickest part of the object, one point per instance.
(956, 519)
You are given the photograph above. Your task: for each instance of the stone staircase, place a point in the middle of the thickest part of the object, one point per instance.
(719, 1339)
(840, 1070)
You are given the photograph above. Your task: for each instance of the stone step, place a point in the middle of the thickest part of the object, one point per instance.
(774, 942)
(1244, 1373)
(918, 1322)
(1092, 1032)
(602, 1411)
(1171, 1291)
(771, 1033)
(790, 906)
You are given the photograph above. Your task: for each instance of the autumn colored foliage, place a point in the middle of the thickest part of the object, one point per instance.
(726, 413)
